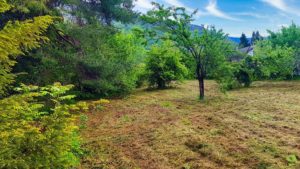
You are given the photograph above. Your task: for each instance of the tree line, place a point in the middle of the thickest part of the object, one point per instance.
(245, 42)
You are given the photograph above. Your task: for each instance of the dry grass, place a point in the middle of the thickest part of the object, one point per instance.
(257, 127)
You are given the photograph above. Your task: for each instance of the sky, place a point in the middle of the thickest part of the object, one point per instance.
(237, 16)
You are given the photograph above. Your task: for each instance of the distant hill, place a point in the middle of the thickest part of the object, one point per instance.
(237, 40)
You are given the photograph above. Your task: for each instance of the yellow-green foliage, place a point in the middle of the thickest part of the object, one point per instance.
(29, 6)
(4, 6)
(15, 39)
(37, 128)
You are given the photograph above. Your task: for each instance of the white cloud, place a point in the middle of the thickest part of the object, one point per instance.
(143, 5)
(212, 9)
(279, 4)
(175, 3)
(282, 5)
(251, 14)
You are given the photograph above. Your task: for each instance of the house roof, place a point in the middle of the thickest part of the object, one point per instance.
(246, 49)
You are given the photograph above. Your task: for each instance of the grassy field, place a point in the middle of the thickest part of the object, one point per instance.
(257, 127)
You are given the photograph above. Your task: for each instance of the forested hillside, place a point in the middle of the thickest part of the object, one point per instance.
(98, 84)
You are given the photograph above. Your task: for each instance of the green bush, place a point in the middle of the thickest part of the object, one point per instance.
(164, 65)
(227, 79)
(37, 128)
(234, 75)
(272, 62)
(101, 62)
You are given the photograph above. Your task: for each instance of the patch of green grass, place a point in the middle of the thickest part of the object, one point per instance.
(186, 166)
(186, 121)
(256, 116)
(166, 104)
(126, 119)
(216, 132)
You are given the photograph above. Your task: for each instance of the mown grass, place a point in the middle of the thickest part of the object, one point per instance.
(257, 127)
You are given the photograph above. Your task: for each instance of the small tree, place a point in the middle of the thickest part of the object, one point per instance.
(38, 128)
(256, 37)
(208, 49)
(244, 41)
(163, 65)
(289, 36)
(276, 62)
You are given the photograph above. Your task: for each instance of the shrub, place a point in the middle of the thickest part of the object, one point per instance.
(101, 62)
(37, 128)
(273, 62)
(234, 75)
(164, 65)
(227, 79)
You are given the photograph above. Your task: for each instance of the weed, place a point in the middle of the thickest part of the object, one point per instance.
(291, 160)
(186, 121)
(126, 118)
(83, 121)
(186, 166)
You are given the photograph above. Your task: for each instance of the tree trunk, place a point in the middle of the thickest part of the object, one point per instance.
(201, 87)
(200, 77)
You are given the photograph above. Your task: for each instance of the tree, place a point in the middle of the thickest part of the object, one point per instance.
(255, 37)
(289, 37)
(106, 11)
(244, 41)
(28, 9)
(163, 65)
(274, 62)
(119, 10)
(208, 48)
(17, 38)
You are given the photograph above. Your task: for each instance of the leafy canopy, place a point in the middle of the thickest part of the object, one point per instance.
(106, 11)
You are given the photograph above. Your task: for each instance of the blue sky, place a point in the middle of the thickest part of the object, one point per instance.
(237, 16)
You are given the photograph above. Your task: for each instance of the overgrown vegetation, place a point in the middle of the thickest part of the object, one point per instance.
(101, 66)
(16, 38)
(38, 128)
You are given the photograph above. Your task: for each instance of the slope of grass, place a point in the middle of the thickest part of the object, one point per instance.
(257, 127)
